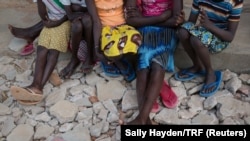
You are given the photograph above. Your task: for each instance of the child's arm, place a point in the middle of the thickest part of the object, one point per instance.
(178, 7)
(72, 15)
(225, 35)
(50, 23)
(42, 11)
(178, 16)
(97, 26)
(134, 18)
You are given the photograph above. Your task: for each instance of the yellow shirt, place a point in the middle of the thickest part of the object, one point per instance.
(110, 12)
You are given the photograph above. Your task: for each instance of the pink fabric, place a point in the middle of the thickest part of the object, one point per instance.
(82, 51)
(138, 3)
(155, 7)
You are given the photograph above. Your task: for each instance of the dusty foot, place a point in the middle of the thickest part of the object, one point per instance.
(69, 69)
(55, 79)
(87, 68)
(21, 33)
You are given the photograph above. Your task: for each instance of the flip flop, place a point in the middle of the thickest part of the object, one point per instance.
(27, 49)
(215, 84)
(28, 103)
(169, 98)
(55, 79)
(190, 75)
(25, 94)
(110, 70)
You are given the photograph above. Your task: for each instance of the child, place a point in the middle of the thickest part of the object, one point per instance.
(53, 39)
(210, 28)
(157, 23)
(81, 37)
(113, 39)
(81, 28)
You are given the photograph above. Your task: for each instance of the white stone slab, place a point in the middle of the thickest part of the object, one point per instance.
(16, 44)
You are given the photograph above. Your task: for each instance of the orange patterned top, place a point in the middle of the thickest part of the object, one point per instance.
(110, 12)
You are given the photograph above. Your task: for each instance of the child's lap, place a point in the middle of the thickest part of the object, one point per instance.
(213, 43)
(55, 38)
(119, 40)
(158, 45)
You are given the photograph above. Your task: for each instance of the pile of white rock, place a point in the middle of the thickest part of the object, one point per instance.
(89, 107)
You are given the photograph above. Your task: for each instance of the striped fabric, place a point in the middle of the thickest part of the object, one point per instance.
(55, 9)
(219, 12)
(68, 2)
(158, 45)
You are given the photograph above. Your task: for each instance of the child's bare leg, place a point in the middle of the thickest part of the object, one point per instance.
(50, 65)
(152, 91)
(141, 85)
(40, 66)
(29, 33)
(184, 37)
(204, 55)
(76, 36)
(87, 34)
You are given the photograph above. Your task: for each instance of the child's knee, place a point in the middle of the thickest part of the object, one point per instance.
(183, 34)
(195, 41)
(76, 26)
(87, 21)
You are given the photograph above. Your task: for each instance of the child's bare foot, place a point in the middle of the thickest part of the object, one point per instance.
(87, 67)
(22, 33)
(69, 69)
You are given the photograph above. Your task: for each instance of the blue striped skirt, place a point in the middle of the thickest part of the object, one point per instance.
(158, 45)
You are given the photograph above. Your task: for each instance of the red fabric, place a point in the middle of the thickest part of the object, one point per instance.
(27, 49)
(169, 98)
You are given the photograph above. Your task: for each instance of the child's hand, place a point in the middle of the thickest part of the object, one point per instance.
(131, 12)
(177, 19)
(180, 18)
(204, 20)
(48, 23)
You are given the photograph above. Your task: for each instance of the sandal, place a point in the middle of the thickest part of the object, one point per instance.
(110, 70)
(129, 73)
(55, 79)
(27, 49)
(189, 75)
(215, 85)
(169, 98)
(25, 94)
(28, 103)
